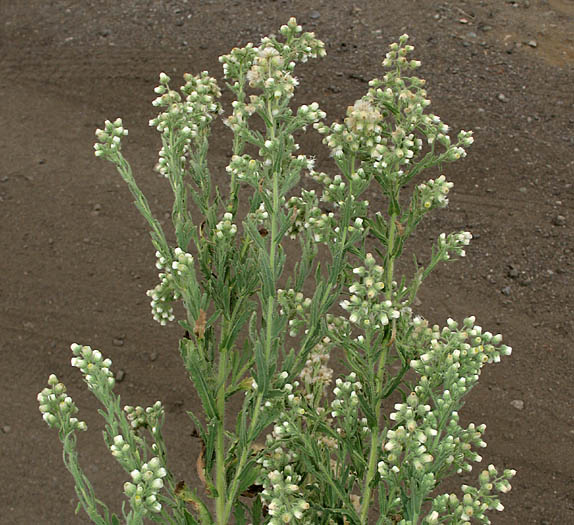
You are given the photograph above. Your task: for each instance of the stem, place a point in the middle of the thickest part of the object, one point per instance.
(227, 506)
(389, 269)
(220, 473)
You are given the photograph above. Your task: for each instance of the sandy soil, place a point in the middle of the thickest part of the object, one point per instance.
(76, 258)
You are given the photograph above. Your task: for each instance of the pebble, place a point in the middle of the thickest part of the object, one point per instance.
(486, 28)
(513, 272)
(506, 290)
(518, 404)
(153, 356)
(120, 375)
(118, 341)
(532, 43)
(502, 97)
(314, 15)
(559, 220)
(6, 429)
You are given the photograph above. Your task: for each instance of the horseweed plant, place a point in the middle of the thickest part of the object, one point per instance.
(333, 456)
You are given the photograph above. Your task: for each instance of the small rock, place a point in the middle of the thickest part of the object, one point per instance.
(518, 404)
(42, 161)
(486, 28)
(356, 76)
(513, 272)
(502, 97)
(314, 15)
(4, 179)
(334, 89)
(105, 32)
(466, 43)
(97, 207)
(6, 429)
(532, 43)
(153, 356)
(463, 21)
(559, 220)
(120, 375)
(505, 290)
(471, 34)
(436, 16)
(522, 189)
(118, 341)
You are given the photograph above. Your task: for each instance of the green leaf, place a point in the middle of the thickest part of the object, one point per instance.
(210, 448)
(248, 476)
(394, 206)
(253, 233)
(197, 371)
(261, 367)
(267, 281)
(239, 514)
(257, 512)
(189, 519)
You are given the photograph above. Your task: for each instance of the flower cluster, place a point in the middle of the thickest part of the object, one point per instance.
(316, 371)
(456, 353)
(475, 501)
(246, 169)
(294, 305)
(260, 215)
(162, 297)
(225, 229)
(346, 402)
(120, 449)
(145, 485)
(453, 243)
(110, 138)
(94, 366)
(57, 407)
(144, 417)
(392, 144)
(433, 193)
(406, 444)
(165, 293)
(304, 211)
(364, 308)
(187, 116)
(282, 495)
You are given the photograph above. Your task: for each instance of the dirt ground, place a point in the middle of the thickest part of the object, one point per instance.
(76, 258)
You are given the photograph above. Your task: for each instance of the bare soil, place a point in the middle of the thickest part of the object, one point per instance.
(76, 258)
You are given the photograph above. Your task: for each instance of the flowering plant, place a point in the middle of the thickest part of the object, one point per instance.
(376, 447)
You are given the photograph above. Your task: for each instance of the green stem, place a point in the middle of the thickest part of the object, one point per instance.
(234, 487)
(220, 440)
(372, 466)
